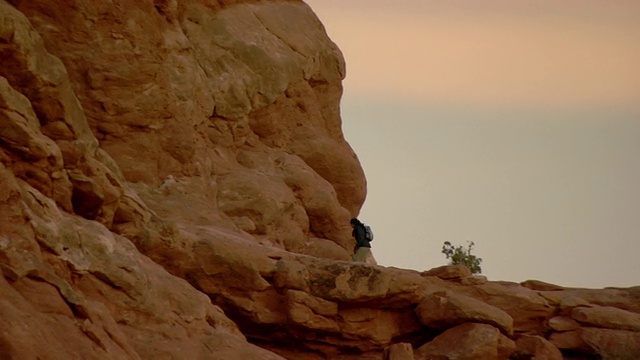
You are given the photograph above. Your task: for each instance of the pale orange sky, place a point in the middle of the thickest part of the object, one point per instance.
(513, 124)
(497, 54)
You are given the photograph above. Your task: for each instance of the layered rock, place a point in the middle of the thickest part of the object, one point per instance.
(242, 99)
(467, 342)
(174, 183)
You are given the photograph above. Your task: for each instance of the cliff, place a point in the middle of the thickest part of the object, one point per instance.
(175, 184)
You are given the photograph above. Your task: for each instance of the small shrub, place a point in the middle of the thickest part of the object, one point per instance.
(460, 255)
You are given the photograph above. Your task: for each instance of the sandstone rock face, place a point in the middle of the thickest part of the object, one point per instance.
(441, 310)
(400, 351)
(468, 341)
(607, 317)
(563, 323)
(536, 347)
(174, 183)
(242, 98)
(448, 272)
(606, 343)
(73, 289)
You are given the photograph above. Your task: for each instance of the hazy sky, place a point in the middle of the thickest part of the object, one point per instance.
(513, 124)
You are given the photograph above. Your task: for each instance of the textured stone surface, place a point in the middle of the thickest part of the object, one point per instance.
(527, 307)
(72, 289)
(540, 285)
(195, 91)
(607, 317)
(606, 343)
(573, 341)
(442, 310)
(536, 347)
(613, 344)
(449, 272)
(563, 323)
(132, 80)
(174, 183)
(401, 351)
(468, 341)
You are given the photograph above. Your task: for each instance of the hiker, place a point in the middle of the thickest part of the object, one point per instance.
(363, 235)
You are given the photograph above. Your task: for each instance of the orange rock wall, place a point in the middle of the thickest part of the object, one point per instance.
(174, 183)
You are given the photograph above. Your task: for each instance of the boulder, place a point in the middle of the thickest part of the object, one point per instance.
(400, 351)
(541, 285)
(473, 280)
(605, 343)
(528, 308)
(613, 344)
(536, 347)
(563, 323)
(571, 340)
(607, 317)
(442, 310)
(626, 299)
(311, 312)
(468, 341)
(449, 272)
(346, 281)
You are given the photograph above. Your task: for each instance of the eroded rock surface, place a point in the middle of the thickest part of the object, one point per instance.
(174, 183)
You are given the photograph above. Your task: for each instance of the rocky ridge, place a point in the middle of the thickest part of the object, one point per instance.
(174, 183)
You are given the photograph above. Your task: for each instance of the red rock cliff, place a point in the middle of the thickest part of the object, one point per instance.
(174, 183)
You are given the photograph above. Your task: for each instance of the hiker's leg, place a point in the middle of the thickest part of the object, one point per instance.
(369, 259)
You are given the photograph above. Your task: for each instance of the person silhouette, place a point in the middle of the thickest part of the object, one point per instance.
(363, 236)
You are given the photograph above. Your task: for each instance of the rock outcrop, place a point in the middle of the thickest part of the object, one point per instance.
(174, 183)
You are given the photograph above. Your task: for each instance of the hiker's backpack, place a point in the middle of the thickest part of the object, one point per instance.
(368, 234)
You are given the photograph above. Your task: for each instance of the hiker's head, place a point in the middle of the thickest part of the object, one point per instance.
(354, 221)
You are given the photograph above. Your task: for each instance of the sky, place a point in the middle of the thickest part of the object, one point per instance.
(512, 124)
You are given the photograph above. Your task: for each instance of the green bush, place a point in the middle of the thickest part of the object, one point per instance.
(460, 255)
